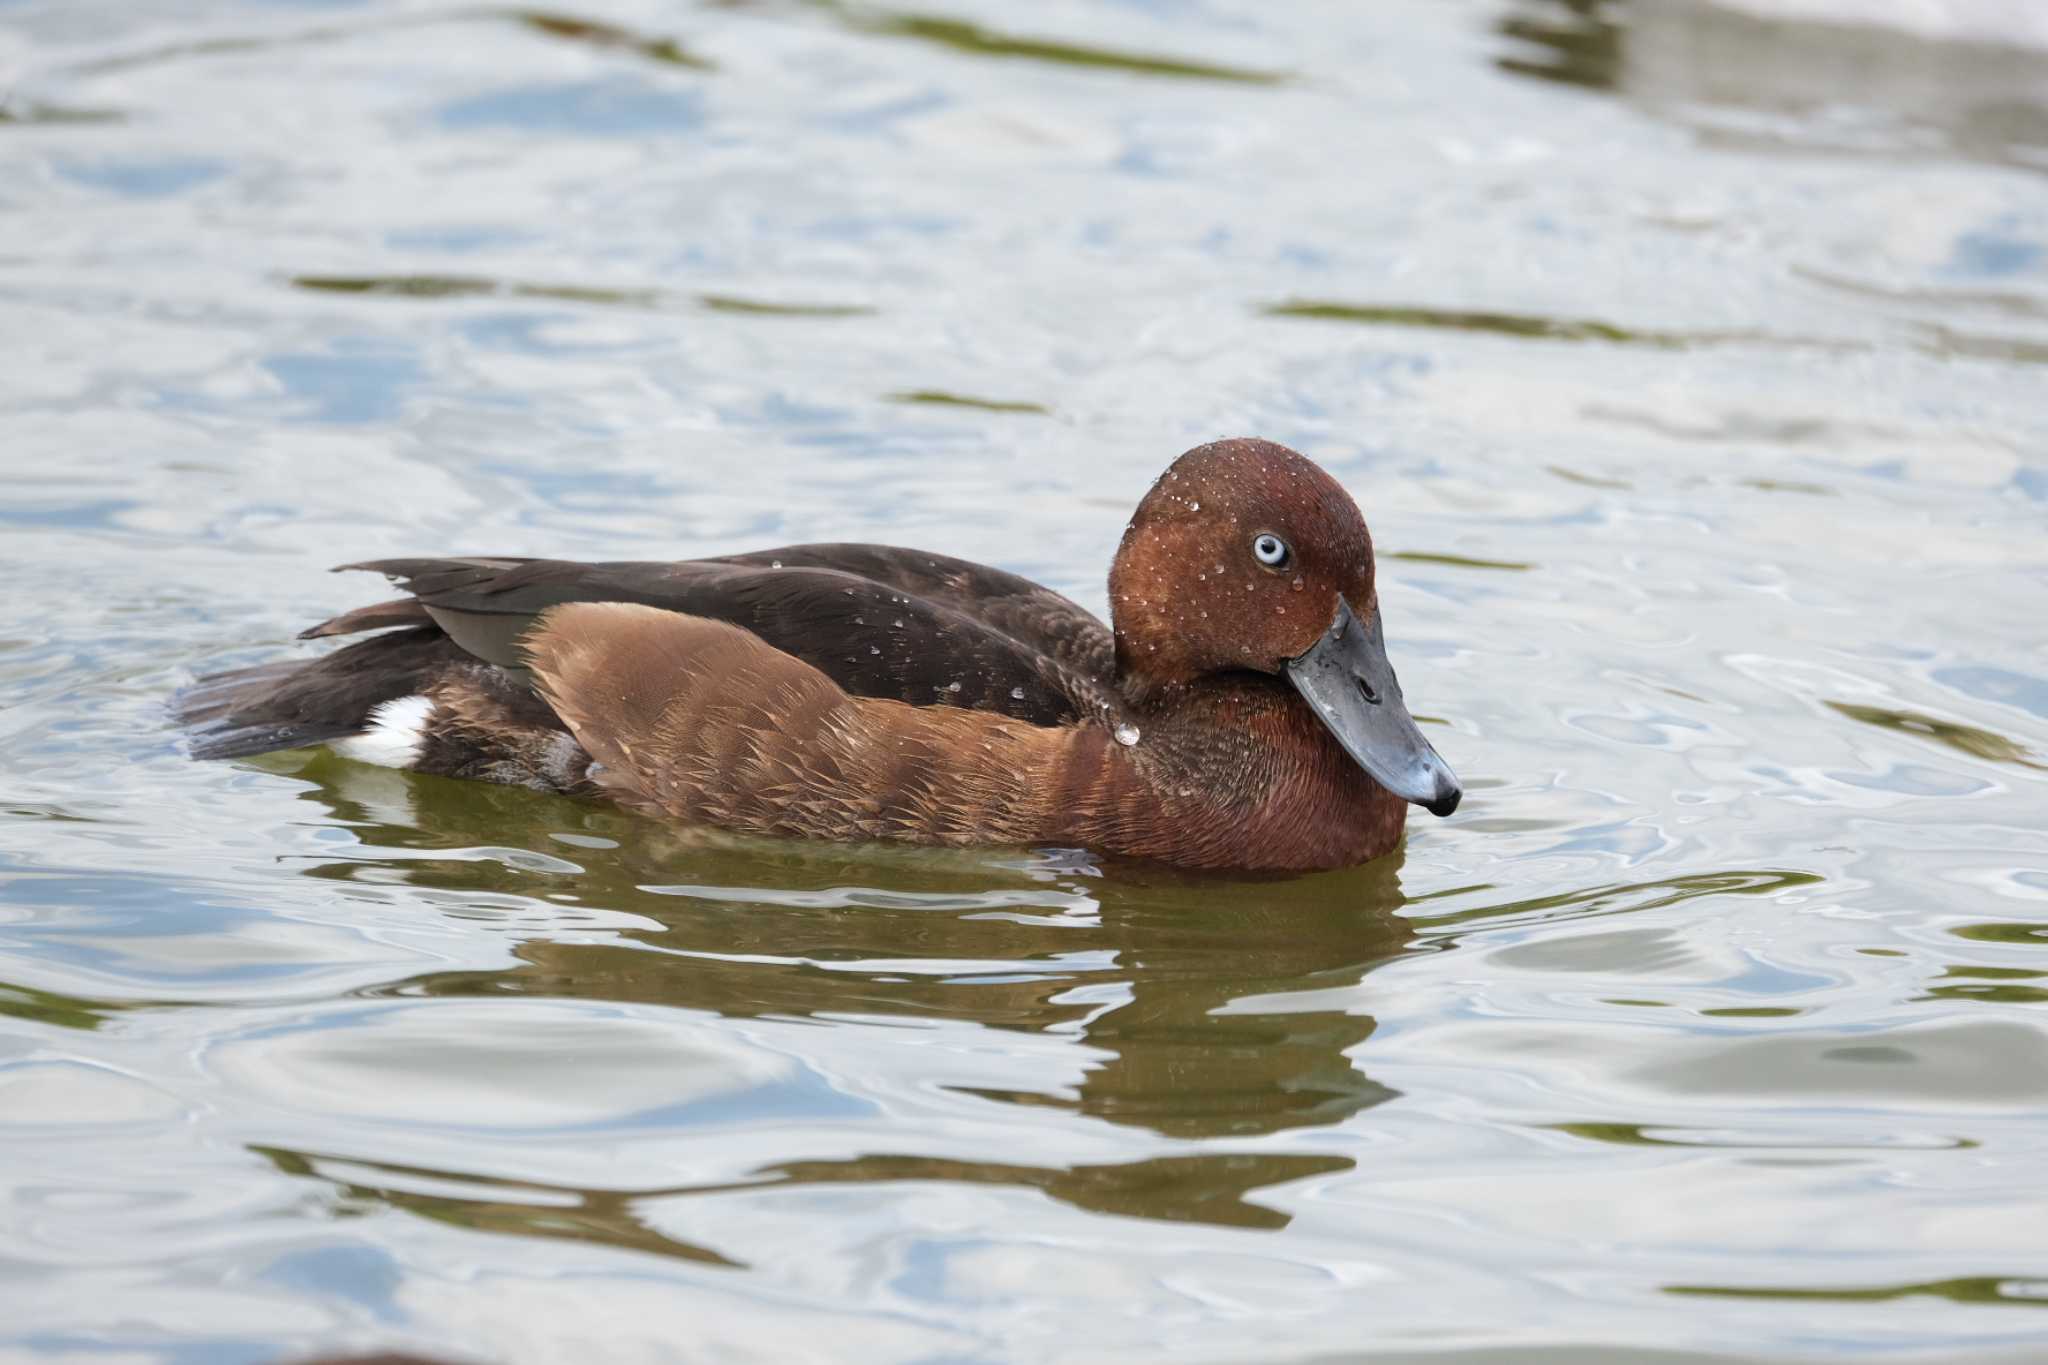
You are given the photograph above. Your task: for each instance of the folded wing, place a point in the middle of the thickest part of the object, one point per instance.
(879, 622)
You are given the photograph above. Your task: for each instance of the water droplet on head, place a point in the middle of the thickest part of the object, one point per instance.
(898, 623)
(1016, 694)
(1126, 734)
(1219, 570)
(774, 563)
(1298, 585)
(874, 649)
(1194, 506)
(953, 686)
(860, 620)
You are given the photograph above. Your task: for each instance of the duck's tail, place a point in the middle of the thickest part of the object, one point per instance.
(409, 698)
(299, 702)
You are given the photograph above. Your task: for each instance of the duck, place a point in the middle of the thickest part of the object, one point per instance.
(1237, 712)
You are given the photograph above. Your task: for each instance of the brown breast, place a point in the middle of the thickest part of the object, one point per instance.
(1233, 773)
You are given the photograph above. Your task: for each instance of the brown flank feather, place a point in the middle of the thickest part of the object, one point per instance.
(700, 721)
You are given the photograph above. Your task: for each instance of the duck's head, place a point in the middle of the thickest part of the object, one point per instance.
(1246, 557)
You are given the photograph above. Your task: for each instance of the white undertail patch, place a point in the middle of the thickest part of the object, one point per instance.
(397, 730)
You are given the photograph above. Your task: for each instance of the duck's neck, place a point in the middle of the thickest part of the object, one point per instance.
(1237, 771)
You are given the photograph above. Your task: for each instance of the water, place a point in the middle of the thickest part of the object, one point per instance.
(1689, 369)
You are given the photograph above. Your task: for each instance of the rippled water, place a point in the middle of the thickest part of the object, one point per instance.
(1689, 366)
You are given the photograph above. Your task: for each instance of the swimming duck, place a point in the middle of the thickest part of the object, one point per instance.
(1239, 712)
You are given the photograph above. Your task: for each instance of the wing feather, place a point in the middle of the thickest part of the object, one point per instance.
(878, 621)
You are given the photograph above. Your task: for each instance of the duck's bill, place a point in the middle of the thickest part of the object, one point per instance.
(1346, 677)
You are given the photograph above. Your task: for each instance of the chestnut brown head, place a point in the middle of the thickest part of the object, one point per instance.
(1245, 557)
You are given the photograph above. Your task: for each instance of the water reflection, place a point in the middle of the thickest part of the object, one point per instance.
(1572, 42)
(14, 110)
(1209, 1189)
(942, 399)
(1998, 985)
(467, 286)
(1973, 740)
(2018, 1290)
(48, 1007)
(977, 40)
(1145, 966)
(582, 29)
(1188, 1003)
(1842, 78)
(1932, 339)
(544, 23)
(518, 1208)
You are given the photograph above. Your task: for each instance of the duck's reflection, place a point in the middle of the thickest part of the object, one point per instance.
(1194, 1189)
(1194, 988)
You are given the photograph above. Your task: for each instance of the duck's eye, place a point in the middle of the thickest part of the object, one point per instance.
(1270, 550)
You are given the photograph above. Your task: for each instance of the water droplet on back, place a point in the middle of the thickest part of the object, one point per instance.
(1126, 734)
(1016, 694)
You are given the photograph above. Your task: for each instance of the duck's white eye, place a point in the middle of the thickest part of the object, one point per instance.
(1270, 550)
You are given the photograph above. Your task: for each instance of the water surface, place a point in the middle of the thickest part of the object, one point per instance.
(1689, 366)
